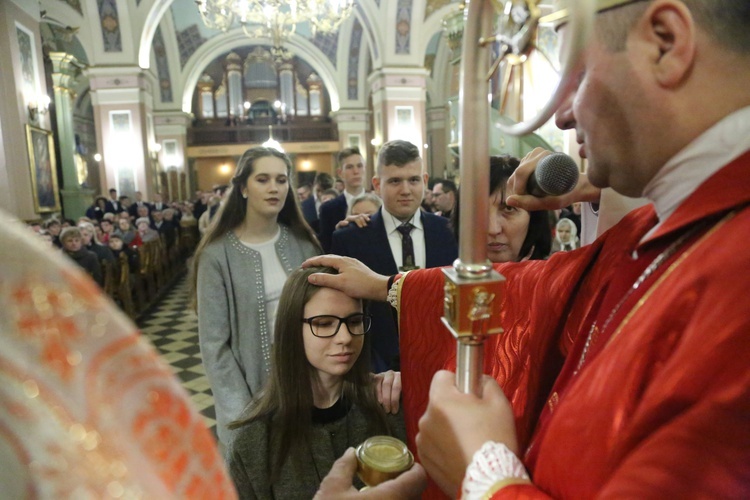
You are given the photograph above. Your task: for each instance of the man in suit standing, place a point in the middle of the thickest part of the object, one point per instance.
(158, 203)
(399, 237)
(113, 204)
(351, 170)
(311, 206)
(133, 208)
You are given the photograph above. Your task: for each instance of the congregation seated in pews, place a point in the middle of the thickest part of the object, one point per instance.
(132, 269)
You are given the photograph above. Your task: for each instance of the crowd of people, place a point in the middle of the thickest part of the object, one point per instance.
(619, 372)
(115, 226)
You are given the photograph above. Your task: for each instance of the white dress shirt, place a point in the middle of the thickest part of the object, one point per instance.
(417, 237)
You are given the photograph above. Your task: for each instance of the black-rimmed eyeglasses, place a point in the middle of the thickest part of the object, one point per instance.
(326, 325)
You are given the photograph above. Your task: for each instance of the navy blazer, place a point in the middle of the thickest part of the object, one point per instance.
(370, 245)
(310, 213)
(331, 213)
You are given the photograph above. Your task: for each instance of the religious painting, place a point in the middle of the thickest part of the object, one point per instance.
(27, 54)
(43, 170)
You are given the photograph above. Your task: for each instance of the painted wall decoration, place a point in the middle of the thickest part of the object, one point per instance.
(76, 4)
(352, 81)
(328, 44)
(403, 26)
(162, 66)
(188, 40)
(27, 53)
(110, 22)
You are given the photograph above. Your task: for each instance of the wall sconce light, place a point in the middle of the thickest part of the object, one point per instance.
(38, 106)
(97, 157)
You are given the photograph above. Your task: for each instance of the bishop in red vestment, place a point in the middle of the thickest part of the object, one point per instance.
(666, 376)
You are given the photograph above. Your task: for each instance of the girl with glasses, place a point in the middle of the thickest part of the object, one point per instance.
(318, 401)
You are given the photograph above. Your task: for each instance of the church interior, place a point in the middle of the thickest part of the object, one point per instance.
(162, 96)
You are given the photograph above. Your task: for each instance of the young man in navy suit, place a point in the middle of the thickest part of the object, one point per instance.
(351, 170)
(380, 245)
(311, 206)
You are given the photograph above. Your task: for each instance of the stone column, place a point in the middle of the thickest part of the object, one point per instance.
(170, 128)
(354, 131)
(123, 101)
(398, 102)
(75, 198)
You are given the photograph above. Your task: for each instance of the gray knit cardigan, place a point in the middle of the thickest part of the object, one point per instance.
(235, 338)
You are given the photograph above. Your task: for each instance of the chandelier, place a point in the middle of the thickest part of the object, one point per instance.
(274, 19)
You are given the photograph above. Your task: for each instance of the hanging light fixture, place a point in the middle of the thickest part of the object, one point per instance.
(276, 20)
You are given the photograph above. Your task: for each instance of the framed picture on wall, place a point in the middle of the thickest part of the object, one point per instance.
(43, 170)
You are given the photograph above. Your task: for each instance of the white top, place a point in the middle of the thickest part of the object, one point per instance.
(417, 237)
(274, 276)
(695, 163)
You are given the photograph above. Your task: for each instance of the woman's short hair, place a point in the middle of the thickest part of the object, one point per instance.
(70, 232)
(371, 197)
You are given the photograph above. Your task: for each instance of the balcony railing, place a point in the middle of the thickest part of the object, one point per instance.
(212, 133)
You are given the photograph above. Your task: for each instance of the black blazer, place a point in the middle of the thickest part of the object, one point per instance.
(310, 213)
(331, 213)
(133, 209)
(370, 245)
(113, 206)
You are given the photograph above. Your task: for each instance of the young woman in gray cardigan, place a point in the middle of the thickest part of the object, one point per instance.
(257, 238)
(319, 401)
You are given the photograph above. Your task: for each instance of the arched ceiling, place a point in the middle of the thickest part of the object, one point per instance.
(169, 39)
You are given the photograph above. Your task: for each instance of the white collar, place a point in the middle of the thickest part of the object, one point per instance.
(696, 162)
(349, 197)
(391, 222)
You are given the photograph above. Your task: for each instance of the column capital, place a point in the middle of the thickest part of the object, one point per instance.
(351, 115)
(119, 85)
(172, 118)
(65, 71)
(394, 78)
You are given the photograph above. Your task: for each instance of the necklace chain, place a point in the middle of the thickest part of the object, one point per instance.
(655, 264)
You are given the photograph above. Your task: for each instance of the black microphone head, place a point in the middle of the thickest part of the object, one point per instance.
(556, 174)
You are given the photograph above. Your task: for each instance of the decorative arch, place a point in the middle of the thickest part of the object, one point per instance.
(300, 46)
(366, 11)
(432, 25)
(153, 18)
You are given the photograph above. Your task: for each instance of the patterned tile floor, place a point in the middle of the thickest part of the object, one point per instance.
(172, 327)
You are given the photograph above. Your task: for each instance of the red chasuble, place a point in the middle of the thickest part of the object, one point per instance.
(660, 405)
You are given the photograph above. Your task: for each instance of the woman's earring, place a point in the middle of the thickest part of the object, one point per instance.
(244, 195)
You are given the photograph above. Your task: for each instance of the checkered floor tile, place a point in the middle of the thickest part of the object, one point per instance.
(172, 327)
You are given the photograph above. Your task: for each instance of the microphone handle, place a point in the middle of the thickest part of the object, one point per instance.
(532, 187)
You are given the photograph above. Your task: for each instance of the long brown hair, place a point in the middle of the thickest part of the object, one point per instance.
(287, 398)
(232, 212)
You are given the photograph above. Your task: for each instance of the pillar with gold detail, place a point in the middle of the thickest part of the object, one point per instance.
(75, 197)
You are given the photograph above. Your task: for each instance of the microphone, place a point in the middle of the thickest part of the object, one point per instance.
(555, 175)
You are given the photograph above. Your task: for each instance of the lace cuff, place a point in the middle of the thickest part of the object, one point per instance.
(393, 289)
(493, 467)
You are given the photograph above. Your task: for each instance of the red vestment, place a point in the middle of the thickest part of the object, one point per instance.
(661, 406)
